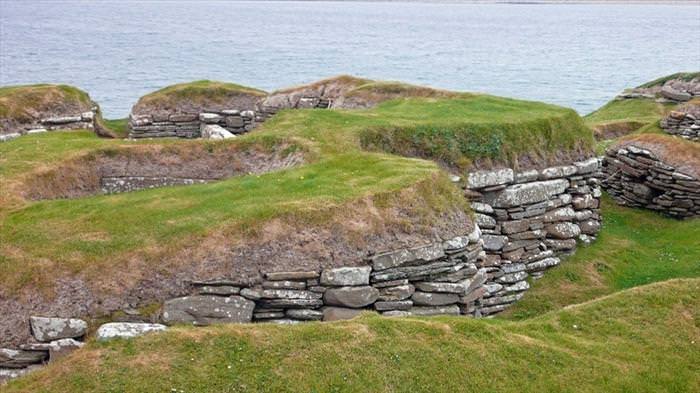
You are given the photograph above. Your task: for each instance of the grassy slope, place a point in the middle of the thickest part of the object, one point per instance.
(202, 91)
(635, 247)
(640, 340)
(39, 239)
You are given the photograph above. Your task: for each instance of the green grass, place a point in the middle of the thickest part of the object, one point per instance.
(118, 126)
(635, 247)
(639, 340)
(639, 110)
(197, 92)
(679, 75)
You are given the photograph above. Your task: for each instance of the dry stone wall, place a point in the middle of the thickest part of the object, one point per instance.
(528, 219)
(684, 122)
(439, 278)
(77, 121)
(638, 177)
(190, 125)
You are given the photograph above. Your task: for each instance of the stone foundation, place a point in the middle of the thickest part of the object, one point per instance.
(528, 219)
(637, 177)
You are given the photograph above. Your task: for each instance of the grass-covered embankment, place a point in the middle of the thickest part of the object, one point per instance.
(43, 240)
(634, 247)
(639, 340)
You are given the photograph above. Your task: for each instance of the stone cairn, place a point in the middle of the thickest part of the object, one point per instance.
(226, 123)
(530, 218)
(637, 177)
(84, 120)
(440, 278)
(684, 122)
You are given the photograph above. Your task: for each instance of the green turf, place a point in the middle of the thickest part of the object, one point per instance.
(118, 126)
(639, 340)
(16, 102)
(634, 247)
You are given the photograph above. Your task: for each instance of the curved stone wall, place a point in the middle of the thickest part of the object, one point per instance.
(528, 219)
(639, 177)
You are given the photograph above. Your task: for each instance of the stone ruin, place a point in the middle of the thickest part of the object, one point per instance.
(530, 218)
(640, 174)
(67, 121)
(683, 122)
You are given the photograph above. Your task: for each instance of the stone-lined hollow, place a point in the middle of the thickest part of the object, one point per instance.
(137, 167)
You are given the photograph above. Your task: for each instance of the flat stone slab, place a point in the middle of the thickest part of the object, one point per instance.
(405, 256)
(127, 330)
(528, 193)
(49, 329)
(346, 276)
(481, 179)
(203, 309)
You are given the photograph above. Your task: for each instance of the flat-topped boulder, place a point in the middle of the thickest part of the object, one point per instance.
(39, 108)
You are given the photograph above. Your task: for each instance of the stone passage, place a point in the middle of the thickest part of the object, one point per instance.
(528, 219)
(683, 122)
(639, 177)
(439, 278)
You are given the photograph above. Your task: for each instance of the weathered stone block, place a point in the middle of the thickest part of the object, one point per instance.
(352, 297)
(50, 329)
(113, 330)
(346, 276)
(202, 309)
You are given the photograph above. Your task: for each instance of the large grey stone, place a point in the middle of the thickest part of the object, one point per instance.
(563, 230)
(50, 329)
(399, 292)
(557, 172)
(561, 214)
(481, 179)
(434, 299)
(393, 305)
(214, 131)
(397, 258)
(346, 276)
(588, 166)
(673, 94)
(494, 242)
(352, 297)
(203, 309)
(527, 193)
(339, 313)
(210, 118)
(113, 330)
(56, 349)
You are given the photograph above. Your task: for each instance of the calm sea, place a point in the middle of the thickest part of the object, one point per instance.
(577, 55)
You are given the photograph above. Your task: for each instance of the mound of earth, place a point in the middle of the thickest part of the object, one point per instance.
(196, 97)
(347, 92)
(41, 107)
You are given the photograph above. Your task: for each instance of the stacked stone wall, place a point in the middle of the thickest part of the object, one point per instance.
(637, 177)
(683, 123)
(528, 219)
(77, 121)
(439, 278)
(190, 125)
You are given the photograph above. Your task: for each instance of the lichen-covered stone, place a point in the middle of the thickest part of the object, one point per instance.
(50, 329)
(346, 276)
(113, 330)
(351, 297)
(202, 309)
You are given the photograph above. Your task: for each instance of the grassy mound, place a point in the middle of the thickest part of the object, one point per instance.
(43, 240)
(28, 104)
(197, 94)
(642, 340)
(635, 247)
(684, 76)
